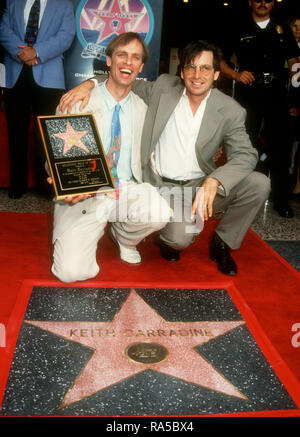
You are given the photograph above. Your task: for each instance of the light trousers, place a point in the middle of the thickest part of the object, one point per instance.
(138, 212)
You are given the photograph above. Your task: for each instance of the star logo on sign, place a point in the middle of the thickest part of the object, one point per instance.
(115, 21)
(138, 339)
(72, 138)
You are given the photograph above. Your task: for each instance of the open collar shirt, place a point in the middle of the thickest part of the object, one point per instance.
(175, 152)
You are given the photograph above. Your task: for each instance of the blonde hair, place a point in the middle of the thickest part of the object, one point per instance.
(126, 38)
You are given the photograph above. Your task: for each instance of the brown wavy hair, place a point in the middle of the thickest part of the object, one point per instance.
(194, 48)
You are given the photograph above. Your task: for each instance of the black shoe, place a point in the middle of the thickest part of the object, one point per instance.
(168, 253)
(284, 210)
(219, 252)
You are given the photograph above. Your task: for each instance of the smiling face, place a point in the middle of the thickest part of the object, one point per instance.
(199, 83)
(125, 64)
(296, 29)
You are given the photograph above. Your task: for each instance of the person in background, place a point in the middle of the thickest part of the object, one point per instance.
(34, 35)
(262, 48)
(295, 27)
(2, 68)
(295, 116)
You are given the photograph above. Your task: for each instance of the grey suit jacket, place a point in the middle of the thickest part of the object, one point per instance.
(223, 125)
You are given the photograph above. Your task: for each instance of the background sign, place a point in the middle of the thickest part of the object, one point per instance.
(98, 22)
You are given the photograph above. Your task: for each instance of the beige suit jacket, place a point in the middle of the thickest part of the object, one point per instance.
(65, 215)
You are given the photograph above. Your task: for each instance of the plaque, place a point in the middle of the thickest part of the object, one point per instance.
(146, 353)
(75, 155)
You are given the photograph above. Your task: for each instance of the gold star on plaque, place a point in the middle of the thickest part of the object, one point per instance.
(72, 138)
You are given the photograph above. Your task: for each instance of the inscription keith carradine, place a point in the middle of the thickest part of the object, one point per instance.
(142, 333)
(75, 155)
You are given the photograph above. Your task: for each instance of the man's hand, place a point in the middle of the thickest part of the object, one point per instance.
(79, 92)
(76, 199)
(197, 212)
(32, 62)
(72, 199)
(245, 77)
(209, 186)
(294, 111)
(26, 54)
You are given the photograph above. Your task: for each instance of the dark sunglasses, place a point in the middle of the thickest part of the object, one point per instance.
(266, 1)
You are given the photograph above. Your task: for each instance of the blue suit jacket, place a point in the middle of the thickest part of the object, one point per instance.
(56, 33)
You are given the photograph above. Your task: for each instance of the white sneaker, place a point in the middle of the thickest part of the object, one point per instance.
(129, 255)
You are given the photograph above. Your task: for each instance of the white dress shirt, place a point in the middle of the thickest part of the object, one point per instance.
(175, 152)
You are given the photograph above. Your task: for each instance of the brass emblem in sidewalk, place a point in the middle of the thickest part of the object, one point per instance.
(146, 353)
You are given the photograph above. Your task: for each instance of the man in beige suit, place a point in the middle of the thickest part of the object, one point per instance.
(138, 209)
(186, 123)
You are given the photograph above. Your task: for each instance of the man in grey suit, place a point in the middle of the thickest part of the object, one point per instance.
(186, 123)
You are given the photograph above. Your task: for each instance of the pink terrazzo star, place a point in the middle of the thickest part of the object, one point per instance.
(72, 138)
(137, 322)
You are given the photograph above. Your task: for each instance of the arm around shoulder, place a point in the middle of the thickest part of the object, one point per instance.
(79, 94)
(146, 89)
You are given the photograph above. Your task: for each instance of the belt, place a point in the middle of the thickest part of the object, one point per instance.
(176, 181)
(266, 78)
